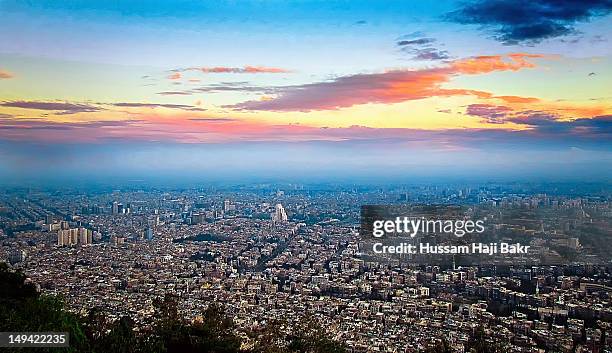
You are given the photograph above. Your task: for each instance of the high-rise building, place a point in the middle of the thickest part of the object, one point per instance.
(198, 218)
(74, 236)
(279, 215)
(63, 237)
(17, 256)
(228, 206)
(115, 208)
(85, 236)
(149, 233)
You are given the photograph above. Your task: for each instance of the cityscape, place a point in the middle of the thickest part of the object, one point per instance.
(270, 252)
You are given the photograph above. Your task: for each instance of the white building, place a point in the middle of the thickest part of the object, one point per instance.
(279, 215)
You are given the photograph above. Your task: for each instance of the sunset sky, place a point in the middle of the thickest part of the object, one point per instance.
(293, 88)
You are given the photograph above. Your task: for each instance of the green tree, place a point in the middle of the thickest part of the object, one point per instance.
(305, 337)
(214, 333)
(23, 309)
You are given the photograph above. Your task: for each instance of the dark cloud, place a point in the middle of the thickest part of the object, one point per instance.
(157, 105)
(422, 49)
(237, 86)
(60, 107)
(535, 118)
(35, 127)
(494, 114)
(174, 93)
(549, 123)
(514, 22)
(543, 122)
(63, 108)
(430, 54)
(597, 39)
(499, 114)
(420, 41)
(572, 40)
(227, 87)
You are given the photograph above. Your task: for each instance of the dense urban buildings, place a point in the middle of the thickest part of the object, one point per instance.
(289, 251)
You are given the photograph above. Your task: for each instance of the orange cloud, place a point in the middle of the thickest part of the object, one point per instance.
(392, 86)
(490, 63)
(517, 99)
(6, 74)
(175, 76)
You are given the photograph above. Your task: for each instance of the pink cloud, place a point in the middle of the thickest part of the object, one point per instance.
(240, 70)
(263, 69)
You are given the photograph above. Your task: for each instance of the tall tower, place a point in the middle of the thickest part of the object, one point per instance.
(149, 233)
(279, 216)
